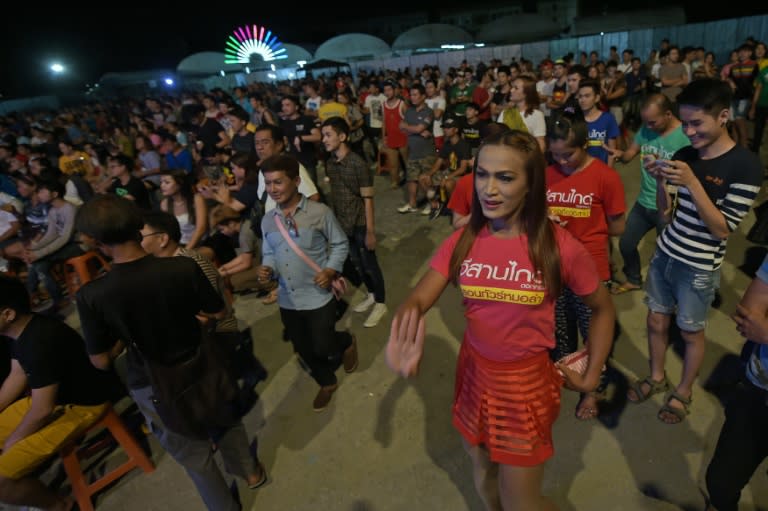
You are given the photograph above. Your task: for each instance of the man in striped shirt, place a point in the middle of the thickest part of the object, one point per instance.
(717, 181)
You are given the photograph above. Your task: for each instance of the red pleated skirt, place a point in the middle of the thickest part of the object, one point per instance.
(509, 407)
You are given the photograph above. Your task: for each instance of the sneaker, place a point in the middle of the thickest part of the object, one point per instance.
(323, 397)
(437, 211)
(379, 309)
(427, 210)
(349, 358)
(407, 208)
(365, 304)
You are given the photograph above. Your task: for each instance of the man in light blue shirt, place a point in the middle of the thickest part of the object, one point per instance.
(307, 304)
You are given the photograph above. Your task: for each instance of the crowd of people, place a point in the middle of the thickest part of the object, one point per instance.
(271, 189)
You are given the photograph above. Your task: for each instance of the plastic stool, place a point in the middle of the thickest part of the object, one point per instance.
(71, 456)
(81, 269)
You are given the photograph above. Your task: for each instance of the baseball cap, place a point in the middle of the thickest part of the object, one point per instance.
(560, 62)
(451, 122)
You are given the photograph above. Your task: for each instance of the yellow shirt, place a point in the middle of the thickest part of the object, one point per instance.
(76, 163)
(331, 109)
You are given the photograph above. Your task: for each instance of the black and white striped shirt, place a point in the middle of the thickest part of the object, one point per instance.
(731, 182)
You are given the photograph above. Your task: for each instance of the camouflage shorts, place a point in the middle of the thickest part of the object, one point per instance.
(415, 168)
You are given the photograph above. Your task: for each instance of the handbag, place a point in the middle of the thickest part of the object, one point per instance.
(194, 397)
(338, 284)
(576, 361)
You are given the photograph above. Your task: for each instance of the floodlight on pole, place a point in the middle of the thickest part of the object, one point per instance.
(57, 68)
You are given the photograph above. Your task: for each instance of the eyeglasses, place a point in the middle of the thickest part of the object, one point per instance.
(293, 229)
(150, 234)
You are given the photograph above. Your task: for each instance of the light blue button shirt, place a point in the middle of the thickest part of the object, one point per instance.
(320, 236)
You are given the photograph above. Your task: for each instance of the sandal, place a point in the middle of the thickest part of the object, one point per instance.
(619, 288)
(678, 413)
(261, 482)
(654, 387)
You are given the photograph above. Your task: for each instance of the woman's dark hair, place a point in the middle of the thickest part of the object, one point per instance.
(162, 221)
(110, 220)
(570, 127)
(14, 295)
(534, 221)
(186, 191)
(282, 163)
(249, 162)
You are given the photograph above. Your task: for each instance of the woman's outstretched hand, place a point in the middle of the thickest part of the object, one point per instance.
(406, 342)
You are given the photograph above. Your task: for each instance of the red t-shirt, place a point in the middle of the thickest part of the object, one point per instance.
(509, 314)
(480, 95)
(461, 198)
(585, 200)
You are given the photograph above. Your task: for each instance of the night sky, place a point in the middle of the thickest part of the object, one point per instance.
(92, 43)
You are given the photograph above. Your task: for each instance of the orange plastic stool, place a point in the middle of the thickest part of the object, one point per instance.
(81, 269)
(71, 456)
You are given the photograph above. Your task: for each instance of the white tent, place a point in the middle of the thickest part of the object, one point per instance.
(205, 63)
(353, 46)
(431, 36)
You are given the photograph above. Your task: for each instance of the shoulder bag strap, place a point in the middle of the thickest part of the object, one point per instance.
(304, 257)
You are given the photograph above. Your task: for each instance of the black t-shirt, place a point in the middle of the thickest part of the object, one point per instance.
(243, 143)
(292, 128)
(50, 352)
(135, 188)
(151, 302)
(247, 195)
(208, 134)
(474, 133)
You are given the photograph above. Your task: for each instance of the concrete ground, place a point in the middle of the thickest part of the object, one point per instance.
(386, 444)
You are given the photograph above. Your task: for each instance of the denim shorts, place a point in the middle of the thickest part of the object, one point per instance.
(675, 287)
(739, 108)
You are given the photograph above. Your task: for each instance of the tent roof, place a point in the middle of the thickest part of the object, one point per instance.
(352, 46)
(431, 35)
(205, 63)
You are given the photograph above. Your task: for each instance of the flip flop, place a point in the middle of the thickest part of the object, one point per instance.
(261, 482)
(624, 287)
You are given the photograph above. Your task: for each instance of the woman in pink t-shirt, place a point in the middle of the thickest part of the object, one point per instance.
(586, 197)
(510, 263)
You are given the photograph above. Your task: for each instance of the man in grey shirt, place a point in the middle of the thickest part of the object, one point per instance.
(418, 122)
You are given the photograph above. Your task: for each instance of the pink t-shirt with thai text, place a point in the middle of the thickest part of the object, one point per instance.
(509, 314)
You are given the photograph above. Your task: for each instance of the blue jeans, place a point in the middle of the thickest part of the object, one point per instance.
(639, 222)
(42, 269)
(675, 287)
